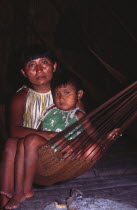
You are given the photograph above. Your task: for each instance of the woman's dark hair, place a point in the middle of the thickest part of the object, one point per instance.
(65, 77)
(35, 51)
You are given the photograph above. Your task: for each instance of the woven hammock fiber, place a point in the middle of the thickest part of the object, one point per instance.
(94, 139)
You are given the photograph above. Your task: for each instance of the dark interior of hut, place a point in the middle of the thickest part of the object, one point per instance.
(96, 39)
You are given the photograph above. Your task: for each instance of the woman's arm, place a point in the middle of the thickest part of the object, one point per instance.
(17, 108)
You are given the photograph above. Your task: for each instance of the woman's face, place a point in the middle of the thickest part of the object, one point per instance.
(39, 72)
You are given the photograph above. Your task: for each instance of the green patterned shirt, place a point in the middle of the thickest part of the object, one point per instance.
(57, 120)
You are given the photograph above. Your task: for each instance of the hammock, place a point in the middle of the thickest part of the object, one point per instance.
(117, 113)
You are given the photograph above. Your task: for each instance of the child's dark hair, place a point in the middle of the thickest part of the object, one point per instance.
(35, 51)
(63, 78)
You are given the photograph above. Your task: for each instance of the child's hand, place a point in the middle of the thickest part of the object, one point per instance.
(114, 134)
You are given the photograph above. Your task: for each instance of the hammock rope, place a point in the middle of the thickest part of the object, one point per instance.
(76, 156)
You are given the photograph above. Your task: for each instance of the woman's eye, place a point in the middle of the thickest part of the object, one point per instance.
(67, 92)
(44, 62)
(31, 65)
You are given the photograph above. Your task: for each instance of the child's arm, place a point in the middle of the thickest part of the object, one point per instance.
(90, 150)
(87, 125)
(100, 145)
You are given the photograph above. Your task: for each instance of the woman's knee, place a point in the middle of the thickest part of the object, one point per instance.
(11, 145)
(32, 140)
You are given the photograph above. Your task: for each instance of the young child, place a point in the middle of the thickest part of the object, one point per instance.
(67, 93)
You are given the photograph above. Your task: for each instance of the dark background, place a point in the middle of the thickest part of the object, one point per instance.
(96, 39)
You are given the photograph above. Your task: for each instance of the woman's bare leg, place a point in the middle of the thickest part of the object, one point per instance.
(7, 171)
(25, 169)
(19, 177)
(32, 145)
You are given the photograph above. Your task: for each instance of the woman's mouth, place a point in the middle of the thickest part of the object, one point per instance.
(40, 77)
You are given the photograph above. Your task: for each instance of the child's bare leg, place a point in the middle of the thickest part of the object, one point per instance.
(92, 153)
(32, 144)
(19, 177)
(7, 171)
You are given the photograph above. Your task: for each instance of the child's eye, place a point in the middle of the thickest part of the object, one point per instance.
(56, 94)
(67, 92)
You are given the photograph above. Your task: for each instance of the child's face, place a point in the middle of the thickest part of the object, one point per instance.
(66, 97)
(39, 71)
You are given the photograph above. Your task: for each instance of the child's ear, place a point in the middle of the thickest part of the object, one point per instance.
(23, 72)
(54, 67)
(80, 94)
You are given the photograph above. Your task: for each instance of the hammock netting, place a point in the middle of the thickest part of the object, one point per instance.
(74, 157)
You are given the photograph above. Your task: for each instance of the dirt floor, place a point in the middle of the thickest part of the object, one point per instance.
(113, 178)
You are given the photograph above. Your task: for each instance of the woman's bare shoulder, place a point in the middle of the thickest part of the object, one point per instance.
(20, 96)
